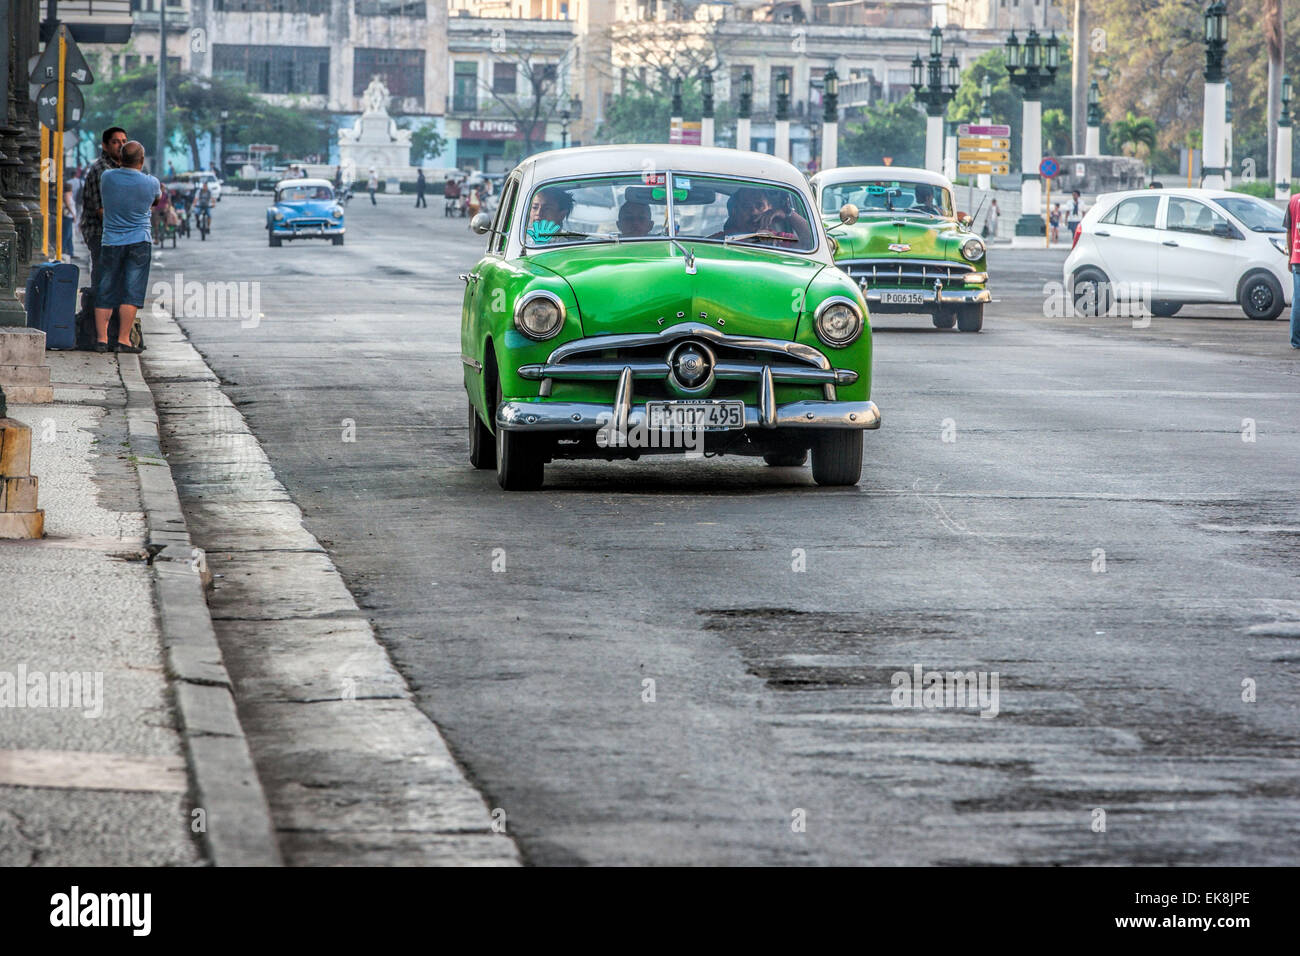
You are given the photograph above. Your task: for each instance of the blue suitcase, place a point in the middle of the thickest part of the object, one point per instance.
(52, 303)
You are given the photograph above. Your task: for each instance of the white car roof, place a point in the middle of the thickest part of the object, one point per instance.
(589, 160)
(303, 182)
(1190, 192)
(848, 174)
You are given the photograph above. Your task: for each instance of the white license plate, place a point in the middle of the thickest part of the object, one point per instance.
(902, 298)
(691, 415)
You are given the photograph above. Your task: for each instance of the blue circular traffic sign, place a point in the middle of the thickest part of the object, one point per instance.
(1049, 167)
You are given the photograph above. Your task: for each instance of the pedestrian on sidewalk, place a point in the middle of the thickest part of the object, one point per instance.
(1055, 220)
(373, 185)
(991, 221)
(419, 191)
(69, 213)
(126, 247)
(1075, 211)
(1292, 224)
(92, 204)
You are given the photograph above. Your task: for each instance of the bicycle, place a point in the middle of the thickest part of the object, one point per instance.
(203, 221)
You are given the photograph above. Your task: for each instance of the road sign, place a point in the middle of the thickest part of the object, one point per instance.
(983, 156)
(983, 142)
(1049, 167)
(994, 169)
(75, 68)
(972, 129)
(47, 106)
(263, 148)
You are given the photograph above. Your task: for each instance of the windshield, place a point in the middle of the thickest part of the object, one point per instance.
(1255, 214)
(889, 196)
(302, 193)
(633, 206)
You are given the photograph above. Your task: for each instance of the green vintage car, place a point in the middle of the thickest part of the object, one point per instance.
(908, 251)
(662, 299)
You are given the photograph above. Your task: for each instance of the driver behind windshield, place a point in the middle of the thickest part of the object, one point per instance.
(924, 200)
(551, 206)
(769, 211)
(634, 220)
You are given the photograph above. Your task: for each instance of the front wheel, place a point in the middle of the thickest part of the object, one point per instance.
(482, 445)
(1261, 297)
(274, 241)
(837, 457)
(1092, 298)
(787, 459)
(338, 240)
(1162, 309)
(970, 318)
(944, 320)
(519, 460)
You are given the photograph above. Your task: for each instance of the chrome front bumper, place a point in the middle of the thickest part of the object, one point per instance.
(590, 416)
(938, 296)
(283, 231)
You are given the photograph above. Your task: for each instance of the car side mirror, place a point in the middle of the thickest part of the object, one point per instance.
(848, 214)
(964, 219)
(1224, 230)
(481, 224)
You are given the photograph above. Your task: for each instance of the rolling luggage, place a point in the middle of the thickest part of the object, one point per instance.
(52, 303)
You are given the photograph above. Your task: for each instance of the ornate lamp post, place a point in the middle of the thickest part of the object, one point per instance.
(1212, 132)
(1092, 142)
(706, 121)
(1227, 134)
(565, 115)
(11, 312)
(940, 86)
(746, 108)
(675, 121)
(830, 119)
(1282, 178)
(1031, 67)
(782, 148)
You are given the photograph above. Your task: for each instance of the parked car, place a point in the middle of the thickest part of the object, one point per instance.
(598, 324)
(1177, 247)
(304, 209)
(190, 183)
(908, 250)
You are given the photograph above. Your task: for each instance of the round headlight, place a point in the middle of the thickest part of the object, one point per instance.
(539, 315)
(838, 322)
(338, 213)
(972, 249)
(279, 217)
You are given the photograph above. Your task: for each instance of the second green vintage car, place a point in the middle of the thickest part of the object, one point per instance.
(908, 251)
(650, 299)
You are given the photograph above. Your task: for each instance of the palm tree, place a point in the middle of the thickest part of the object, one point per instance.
(1274, 44)
(1134, 135)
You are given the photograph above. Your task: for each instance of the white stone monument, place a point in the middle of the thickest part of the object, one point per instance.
(375, 141)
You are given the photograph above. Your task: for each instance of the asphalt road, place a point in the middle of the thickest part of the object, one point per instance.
(1121, 690)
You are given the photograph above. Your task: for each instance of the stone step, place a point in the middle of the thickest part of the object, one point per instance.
(15, 448)
(18, 495)
(29, 394)
(22, 525)
(16, 375)
(22, 346)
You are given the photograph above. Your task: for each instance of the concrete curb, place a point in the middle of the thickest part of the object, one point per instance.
(238, 829)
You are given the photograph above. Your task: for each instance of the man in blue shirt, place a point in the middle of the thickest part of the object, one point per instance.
(127, 246)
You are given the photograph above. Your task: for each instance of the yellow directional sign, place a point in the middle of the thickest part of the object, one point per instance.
(983, 156)
(983, 142)
(996, 169)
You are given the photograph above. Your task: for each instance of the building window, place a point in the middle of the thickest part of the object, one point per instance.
(465, 89)
(402, 70)
(275, 69)
(504, 78)
(411, 9)
(269, 6)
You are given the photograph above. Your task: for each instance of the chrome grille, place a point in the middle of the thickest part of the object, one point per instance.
(905, 273)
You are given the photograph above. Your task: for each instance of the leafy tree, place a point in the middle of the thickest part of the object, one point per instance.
(896, 130)
(426, 143)
(1057, 133)
(644, 114)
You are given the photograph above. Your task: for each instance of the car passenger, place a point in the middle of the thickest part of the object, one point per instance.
(551, 206)
(634, 220)
(924, 201)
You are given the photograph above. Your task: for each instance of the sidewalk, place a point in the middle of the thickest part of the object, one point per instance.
(97, 717)
(103, 780)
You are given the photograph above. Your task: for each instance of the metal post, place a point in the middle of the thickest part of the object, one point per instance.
(160, 167)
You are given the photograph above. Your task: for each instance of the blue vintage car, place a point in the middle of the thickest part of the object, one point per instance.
(304, 209)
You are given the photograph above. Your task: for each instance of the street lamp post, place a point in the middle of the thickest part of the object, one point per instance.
(1227, 134)
(830, 119)
(221, 145)
(782, 147)
(1092, 142)
(564, 123)
(1282, 178)
(706, 121)
(746, 108)
(1212, 132)
(936, 96)
(1031, 67)
(985, 180)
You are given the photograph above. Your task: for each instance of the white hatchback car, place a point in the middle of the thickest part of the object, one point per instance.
(1176, 247)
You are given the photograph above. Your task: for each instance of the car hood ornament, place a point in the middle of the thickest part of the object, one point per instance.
(900, 247)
